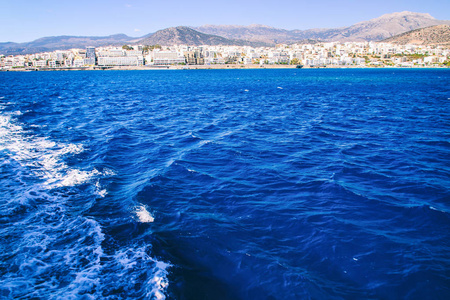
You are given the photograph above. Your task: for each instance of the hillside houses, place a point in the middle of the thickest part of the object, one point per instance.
(363, 54)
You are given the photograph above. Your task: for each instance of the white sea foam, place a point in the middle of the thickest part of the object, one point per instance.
(81, 256)
(43, 157)
(135, 261)
(437, 209)
(143, 215)
(204, 142)
(99, 191)
(108, 172)
(37, 256)
(158, 281)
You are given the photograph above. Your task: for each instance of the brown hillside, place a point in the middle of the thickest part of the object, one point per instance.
(434, 35)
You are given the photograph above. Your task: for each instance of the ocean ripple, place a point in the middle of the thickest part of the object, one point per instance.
(225, 184)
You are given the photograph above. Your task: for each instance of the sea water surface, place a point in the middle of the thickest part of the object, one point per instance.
(225, 184)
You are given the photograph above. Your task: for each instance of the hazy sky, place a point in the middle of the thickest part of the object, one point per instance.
(27, 20)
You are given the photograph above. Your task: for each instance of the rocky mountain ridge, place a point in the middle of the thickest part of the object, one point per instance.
(62, 43)
(373, 30)
(183, 35)
(253, 35)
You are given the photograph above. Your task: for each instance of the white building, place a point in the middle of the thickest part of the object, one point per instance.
(40, 63)
(78, 62)
(133, 53)
(430, 59)
(112, 52)
(121, 61)
(167, 58)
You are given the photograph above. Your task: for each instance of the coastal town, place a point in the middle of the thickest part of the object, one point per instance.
(330, 54)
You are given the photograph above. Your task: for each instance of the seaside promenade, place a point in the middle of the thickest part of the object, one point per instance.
(212, 67)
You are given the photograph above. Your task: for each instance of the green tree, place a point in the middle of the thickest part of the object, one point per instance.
(151, 47)
(295, 61)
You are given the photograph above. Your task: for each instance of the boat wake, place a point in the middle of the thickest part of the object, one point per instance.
(51, 248)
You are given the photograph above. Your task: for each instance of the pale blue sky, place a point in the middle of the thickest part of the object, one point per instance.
(27, 20)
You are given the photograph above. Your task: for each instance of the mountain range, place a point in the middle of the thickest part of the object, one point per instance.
(63, 42)
(373, 30)
(376, 29)
(183, 35)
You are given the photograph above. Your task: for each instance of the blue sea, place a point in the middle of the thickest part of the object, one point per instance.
(225, 184)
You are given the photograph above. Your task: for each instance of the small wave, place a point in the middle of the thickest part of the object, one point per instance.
(99, 191)
(134, 262)
(108, 172)
(158, 281)
(143, 215)
(59, 254)
(43, 157)
(438, 209)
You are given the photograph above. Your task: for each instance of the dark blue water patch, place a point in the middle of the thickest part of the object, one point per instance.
(250, 184)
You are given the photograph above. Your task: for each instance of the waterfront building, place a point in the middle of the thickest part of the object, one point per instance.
(59, 56)
(319, 54)
(247, 60)
(121, 61)
(40, 63)
(214, 60)
(90, 56)
(78, 62)
(8, 64)
(133, 52)
(194, 57)
(68, 63)
(167, 58)
(112, 52)
(19, 63)
(89, 61)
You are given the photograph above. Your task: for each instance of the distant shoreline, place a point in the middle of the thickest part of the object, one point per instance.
(212, 67)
